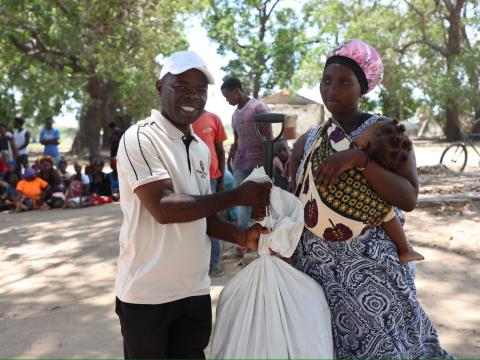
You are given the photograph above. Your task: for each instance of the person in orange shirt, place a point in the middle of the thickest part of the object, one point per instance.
(209, 128)
(32, 190)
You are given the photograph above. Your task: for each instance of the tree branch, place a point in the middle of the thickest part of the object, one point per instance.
(38, 49)
(424, 40)
(272, 8)
(432, 45)
(62, 6)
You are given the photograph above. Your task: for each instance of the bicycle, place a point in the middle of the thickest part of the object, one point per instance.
(455, 156)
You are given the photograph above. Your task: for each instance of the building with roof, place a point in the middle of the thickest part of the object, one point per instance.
(301, 113)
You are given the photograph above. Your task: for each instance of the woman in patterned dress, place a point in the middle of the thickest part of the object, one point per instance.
(371, 294)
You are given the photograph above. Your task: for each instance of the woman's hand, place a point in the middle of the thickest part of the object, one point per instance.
(330, 170)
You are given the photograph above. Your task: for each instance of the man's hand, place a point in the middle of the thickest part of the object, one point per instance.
(256, 195)
(252, 235)
(253, 194)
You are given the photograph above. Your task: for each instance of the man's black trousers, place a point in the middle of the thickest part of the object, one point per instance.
(179, 329)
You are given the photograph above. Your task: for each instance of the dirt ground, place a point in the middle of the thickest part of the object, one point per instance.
(58, 269)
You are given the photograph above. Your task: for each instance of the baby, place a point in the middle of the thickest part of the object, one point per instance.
(387, 144)
(281, 163)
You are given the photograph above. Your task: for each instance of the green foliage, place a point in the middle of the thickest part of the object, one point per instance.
(51, 49)
(412, 38)
(264, 41)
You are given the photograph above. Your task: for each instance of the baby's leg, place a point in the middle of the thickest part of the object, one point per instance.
(394, 229)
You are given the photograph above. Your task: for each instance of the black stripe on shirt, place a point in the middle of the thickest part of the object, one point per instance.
(128, 157)
(140, 147)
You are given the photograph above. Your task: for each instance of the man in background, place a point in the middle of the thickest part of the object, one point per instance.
(21, 137)
(50, 138)
(209, 128)
(115, 137)
(246, 152)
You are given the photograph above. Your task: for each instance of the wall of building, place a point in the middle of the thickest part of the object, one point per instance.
(299, 117)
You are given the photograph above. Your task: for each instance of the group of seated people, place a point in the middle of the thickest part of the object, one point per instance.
(45, 185)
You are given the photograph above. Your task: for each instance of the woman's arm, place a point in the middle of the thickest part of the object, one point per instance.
(399, 188)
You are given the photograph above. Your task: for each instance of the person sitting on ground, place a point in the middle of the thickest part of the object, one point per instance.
(99, 181)
(113, 178)
(50, 175)
(281, 164)
(88, 170)
(114, 139)
(9, 169)
(3, 165)
(32, 190)
(387, 144)
(63, 173)
(8, 192)
(79, 188)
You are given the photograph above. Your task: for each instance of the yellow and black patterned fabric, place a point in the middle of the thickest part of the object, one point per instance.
(347, 209)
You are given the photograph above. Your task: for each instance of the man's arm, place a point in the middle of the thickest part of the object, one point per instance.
(233, 149)
(27, 141)
(265, 128)
(168, 207)
(221, 229)
(220, 151)
(13, 147)
(54, 141)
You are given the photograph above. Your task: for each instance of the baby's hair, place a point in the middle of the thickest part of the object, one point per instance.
(390, 145)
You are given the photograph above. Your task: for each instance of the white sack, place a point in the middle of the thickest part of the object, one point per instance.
(269, 309)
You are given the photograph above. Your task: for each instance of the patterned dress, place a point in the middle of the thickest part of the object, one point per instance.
(372, 296)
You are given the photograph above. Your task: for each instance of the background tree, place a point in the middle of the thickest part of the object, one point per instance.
(424, 46)
(264, 40)
(441, 33)
(99, 52)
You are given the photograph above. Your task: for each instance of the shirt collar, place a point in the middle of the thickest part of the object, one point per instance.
(169, 129)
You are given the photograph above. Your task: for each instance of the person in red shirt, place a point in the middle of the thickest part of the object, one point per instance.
(209, 128)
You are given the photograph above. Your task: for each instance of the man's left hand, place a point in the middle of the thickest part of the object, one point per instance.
(252, 235)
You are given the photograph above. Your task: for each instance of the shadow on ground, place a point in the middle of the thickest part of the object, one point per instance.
(56, 288)
(58, 270)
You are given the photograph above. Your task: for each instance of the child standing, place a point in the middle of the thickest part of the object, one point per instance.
(281, 164)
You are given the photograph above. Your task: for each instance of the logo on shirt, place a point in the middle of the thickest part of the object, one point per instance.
(202, 172)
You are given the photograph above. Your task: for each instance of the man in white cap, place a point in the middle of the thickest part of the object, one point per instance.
(162, 286)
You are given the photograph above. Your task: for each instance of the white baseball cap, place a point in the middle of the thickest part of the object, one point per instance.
(181, 61)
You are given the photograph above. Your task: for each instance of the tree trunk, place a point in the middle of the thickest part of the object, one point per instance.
(454, 42)
(476, 124)
(98, 113)
(452, 128)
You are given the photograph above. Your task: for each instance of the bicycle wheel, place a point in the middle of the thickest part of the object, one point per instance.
(454, 157)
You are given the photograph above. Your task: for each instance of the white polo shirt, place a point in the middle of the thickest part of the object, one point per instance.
(161, 263)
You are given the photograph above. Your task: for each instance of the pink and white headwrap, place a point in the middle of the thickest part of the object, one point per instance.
(357, 52)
